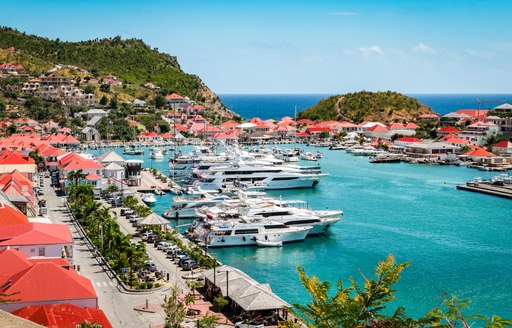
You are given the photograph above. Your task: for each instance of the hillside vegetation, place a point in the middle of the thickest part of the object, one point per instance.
(386, 107)
(131, 60)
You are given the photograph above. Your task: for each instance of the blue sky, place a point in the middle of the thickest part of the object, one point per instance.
(302, 46)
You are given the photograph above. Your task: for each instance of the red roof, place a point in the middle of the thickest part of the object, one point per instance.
(173, 96)
(411, 126)
(453, 139)
(378, 128)
(449, 129)
(316, 129)
(408, 139)
(47, 281)
(14, 261)
(11, 158)
(305, 121)
(10, 216)
(396, 126)
(474, 113)
(92, 176)
(504, 144)
(62, 315)
(428, 116)
(301, 134)
(84, 164)
(480, 152)
(35, 234)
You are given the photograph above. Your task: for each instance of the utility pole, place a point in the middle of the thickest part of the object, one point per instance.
(483, 102)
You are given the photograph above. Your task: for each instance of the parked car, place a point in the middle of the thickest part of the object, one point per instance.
(150, 266)
(180, 257)
(147, 234)
(162, 245)
(189, 265)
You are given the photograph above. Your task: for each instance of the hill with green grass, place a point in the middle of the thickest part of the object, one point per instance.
(131, 60)
(385, 107)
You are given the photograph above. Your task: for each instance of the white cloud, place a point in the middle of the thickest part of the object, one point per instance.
(482, 54)
(343, 13)
(424, 49)
(372, 50)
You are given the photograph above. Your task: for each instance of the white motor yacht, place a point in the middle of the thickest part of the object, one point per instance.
(149, 199)
(247, 234)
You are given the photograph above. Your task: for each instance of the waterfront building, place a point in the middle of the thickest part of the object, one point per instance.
(133, 172)
(477, 133)
(503, 147)
(429, 149)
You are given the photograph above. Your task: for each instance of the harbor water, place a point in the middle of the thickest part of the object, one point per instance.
(458, 242)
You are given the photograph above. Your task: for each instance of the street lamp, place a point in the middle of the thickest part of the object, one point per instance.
(227, 281)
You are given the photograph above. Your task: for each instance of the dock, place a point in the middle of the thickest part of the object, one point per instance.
(486, 188)
(149, 183)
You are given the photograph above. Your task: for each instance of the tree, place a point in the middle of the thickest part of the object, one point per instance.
(324, 135)
(354, 306)
(208, 321)
(105, 88)
(111, 189)
(113, 103)
(89, 89)
(143, 211)
(189, 301)
(36, 156)
(219, 303)
(103, 101)
(76, 176)
(130, 202)
(159, 101)
(193, 285)
(175, 311)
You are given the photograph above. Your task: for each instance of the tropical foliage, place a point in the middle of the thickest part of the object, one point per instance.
(104, 231)
(175, 310)
(367, 304)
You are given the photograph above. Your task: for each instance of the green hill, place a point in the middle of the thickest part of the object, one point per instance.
(133, 61)
(385, 107)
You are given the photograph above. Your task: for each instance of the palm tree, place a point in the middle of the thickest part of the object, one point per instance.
(130, 202)
(175, 311)
(76, 176)
(189, 301)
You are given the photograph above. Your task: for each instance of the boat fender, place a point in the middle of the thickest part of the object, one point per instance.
(222, 240)
(254, 238)
(243, 238)
(266, 237)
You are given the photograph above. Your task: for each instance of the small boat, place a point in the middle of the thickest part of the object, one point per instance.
(159, 192)
(149, 199)
(308, 157)
(269, 243)
(157, 154)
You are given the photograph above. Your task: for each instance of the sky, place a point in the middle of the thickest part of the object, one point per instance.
(303, 47)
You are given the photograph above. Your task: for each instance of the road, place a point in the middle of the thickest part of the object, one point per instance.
(118, 306)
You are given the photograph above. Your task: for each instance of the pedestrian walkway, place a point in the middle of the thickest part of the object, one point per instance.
(117, 305)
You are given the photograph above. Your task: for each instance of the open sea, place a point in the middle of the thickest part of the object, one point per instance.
(458, 242)
(276, 106)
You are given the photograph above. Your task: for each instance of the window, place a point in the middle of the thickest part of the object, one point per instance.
(42, 251)
(32, 250)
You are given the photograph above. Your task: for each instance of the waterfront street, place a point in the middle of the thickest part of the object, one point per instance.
(117, 304)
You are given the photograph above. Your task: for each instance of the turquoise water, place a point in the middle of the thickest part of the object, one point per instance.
(458, 242)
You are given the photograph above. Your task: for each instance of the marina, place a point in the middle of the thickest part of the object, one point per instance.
(386, 204)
